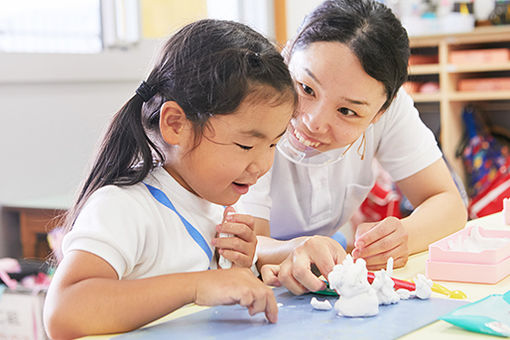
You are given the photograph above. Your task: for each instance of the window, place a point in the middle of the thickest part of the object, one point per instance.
(63, 26)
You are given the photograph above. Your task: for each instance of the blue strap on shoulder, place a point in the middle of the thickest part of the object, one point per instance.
(193, 232)
(340, 238)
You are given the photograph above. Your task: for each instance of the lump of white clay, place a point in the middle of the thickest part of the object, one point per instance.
(475, 242)
(357, 297)
(423, 287)
(222, 261)
(320, 305)
(383, 285)
(403, 294)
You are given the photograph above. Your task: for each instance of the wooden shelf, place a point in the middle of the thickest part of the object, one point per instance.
(451, 102)
(424, 69)
(477, 67)
(479, 96)
(426, 97)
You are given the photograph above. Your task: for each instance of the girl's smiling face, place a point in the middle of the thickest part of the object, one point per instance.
(234, 151)
(337, 99)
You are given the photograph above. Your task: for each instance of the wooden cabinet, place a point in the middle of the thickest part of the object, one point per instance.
(35, 218)
(448, 100)
(34, 225)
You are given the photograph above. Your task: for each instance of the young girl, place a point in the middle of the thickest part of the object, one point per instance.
(196, 135)
(349, 60)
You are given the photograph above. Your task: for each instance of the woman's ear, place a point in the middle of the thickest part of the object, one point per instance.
(172, 123)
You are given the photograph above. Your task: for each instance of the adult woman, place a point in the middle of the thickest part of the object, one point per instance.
(349, 60)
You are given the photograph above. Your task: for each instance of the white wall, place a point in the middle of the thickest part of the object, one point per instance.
(258, 14)
(53, 110)
(296, 11)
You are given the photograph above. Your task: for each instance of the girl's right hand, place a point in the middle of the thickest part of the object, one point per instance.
(236, 286)
(241, 245)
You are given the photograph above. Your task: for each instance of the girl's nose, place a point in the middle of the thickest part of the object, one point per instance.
(261, 164)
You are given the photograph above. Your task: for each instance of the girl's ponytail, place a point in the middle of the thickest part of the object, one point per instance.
(126, 155)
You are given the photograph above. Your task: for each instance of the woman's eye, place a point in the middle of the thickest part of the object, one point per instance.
(347, 112)
(272, 145)
(244, 147)
(307, 89)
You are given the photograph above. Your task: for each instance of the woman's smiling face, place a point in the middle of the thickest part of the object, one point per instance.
(337, 99)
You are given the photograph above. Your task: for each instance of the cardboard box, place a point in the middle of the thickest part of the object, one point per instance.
(21, 315)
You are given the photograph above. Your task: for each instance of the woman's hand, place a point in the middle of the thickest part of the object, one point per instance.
(236, 286)
(295, 272)
(240, 247)
(376, 242)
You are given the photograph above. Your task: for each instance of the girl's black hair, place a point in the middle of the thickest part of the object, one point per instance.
(208, 67)
(369, 29)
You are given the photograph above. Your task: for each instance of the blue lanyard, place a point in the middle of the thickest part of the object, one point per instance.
(193, 232)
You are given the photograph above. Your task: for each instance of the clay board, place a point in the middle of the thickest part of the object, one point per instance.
(298, 320)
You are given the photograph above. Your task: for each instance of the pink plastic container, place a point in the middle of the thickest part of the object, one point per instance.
(488, 266)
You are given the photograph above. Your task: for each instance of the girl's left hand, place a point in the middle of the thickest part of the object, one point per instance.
(376, 242)
(240, 248)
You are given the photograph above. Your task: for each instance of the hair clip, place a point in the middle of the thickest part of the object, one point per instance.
(145, 91)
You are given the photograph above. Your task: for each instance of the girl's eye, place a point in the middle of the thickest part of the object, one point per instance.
(307, 89)
(272, 145)
(244, 147)
(347, 112)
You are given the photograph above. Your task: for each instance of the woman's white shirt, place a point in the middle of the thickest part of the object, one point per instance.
(140, 237)
(299, 200)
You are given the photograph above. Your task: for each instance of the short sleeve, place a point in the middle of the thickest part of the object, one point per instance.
(407, 145)
(110, 225)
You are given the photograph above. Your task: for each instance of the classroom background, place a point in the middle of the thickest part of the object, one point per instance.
(67, 66)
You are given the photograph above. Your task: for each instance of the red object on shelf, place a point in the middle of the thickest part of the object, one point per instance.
(398, 283)
(484, 84)
(484, 56)
(411, 86)
(423, 59)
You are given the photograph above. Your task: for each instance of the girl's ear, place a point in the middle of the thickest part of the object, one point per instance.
(172, 123)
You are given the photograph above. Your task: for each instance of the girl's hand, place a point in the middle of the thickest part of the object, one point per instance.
(236, 286)
(376, 242)
(240, 247)
(295, 272)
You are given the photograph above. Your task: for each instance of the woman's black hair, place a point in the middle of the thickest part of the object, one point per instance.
(208, 67)
(369, 29)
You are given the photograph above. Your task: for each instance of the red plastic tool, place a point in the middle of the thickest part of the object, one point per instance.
(398, 283)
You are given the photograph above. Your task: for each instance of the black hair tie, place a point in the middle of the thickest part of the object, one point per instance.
(145, 91)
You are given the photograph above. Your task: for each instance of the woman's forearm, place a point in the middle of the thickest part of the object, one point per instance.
(271, 251)
(437, 217)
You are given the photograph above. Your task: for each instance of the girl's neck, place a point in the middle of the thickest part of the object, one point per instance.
(175, 174)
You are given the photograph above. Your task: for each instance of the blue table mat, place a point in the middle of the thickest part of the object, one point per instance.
(298, 320)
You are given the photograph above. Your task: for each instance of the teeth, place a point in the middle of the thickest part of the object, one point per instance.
(304, 141)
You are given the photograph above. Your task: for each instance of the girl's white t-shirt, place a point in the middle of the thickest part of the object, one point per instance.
(140, 237)
(299, 200)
